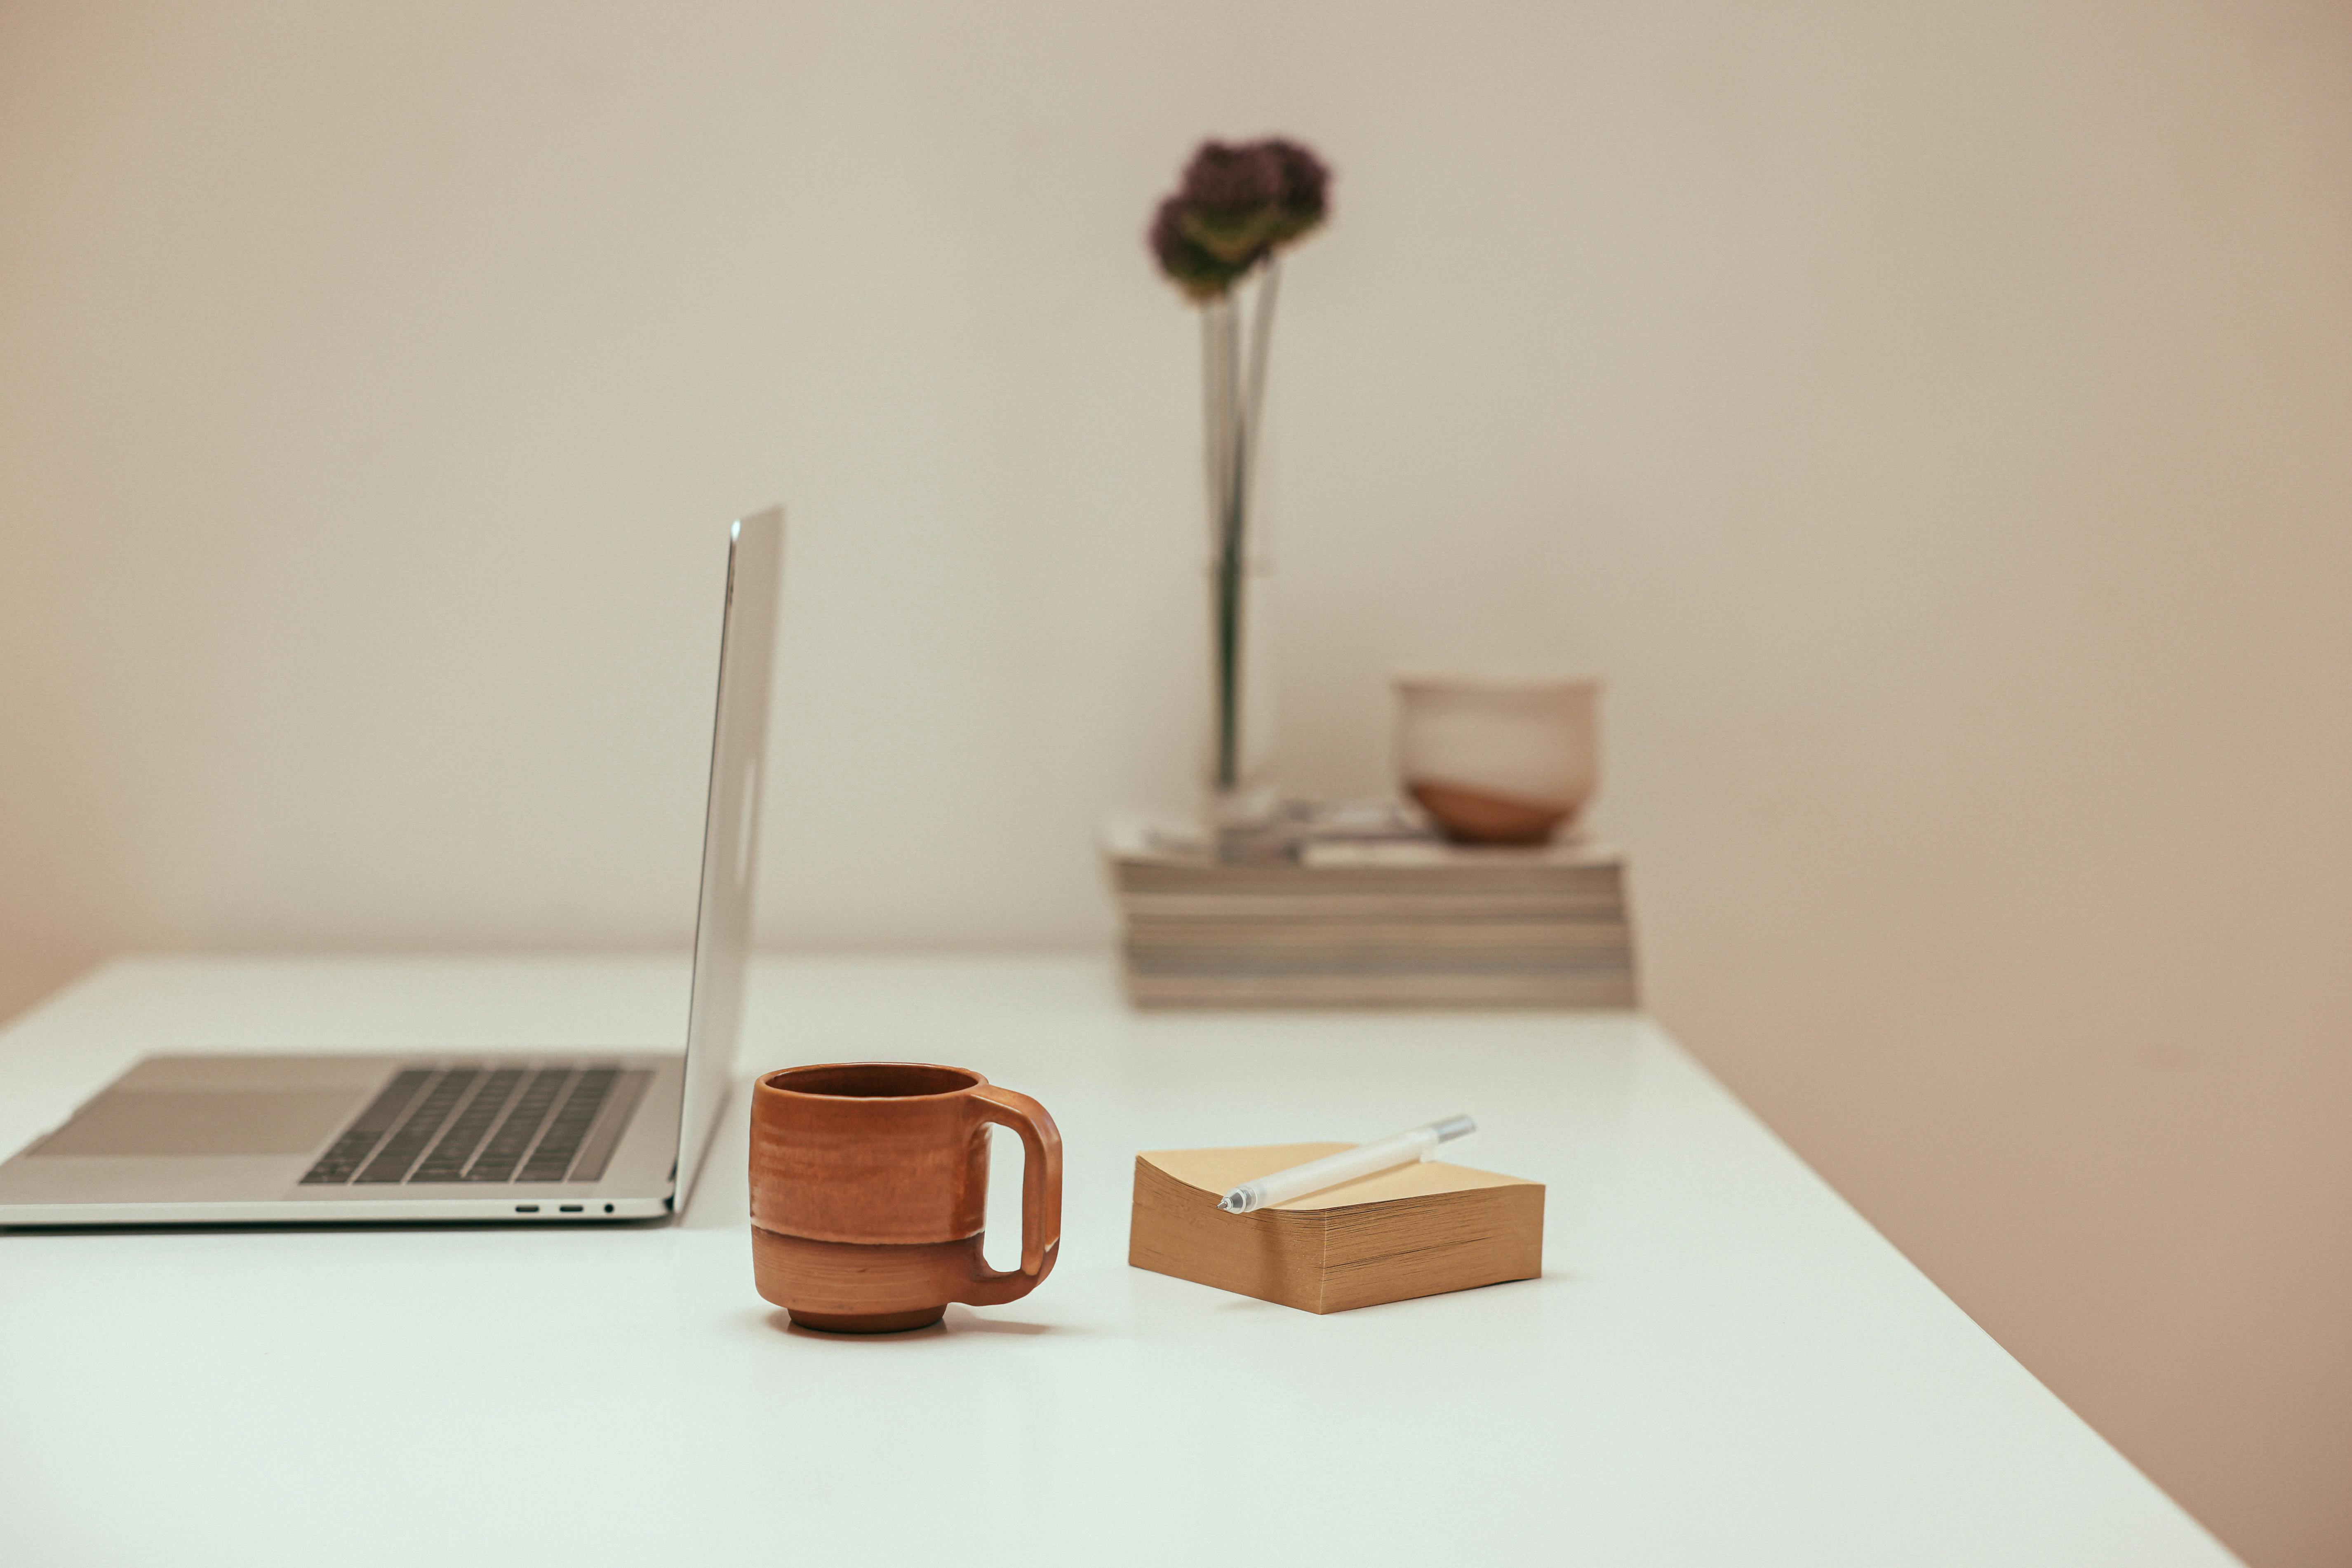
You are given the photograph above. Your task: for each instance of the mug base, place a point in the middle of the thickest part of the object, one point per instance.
(867, 1322)
(862, 1288)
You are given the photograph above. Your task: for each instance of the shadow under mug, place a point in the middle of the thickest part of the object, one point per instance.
(870, 1190)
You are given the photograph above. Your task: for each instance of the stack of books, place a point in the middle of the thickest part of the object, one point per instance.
(1374, 923)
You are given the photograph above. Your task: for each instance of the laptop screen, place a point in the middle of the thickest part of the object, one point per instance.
(731, 833)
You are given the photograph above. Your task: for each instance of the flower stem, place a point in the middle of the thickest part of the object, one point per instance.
(1234, 396)
(1260, 335)
(1228, 522)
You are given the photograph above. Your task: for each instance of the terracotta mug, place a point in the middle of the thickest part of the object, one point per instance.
(869, 1189)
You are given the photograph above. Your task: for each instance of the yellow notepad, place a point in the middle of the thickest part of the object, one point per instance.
(1416, 1230)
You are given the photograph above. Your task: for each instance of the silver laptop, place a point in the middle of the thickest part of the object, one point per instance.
(550, 1136)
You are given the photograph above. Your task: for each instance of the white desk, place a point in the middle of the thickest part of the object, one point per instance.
(1723, 1365)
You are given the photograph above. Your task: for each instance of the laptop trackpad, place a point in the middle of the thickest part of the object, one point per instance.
(204, 1122)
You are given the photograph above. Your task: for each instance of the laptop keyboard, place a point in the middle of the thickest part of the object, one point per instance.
(483, 1123)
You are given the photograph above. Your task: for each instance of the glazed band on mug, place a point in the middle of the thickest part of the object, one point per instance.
(869, 1192)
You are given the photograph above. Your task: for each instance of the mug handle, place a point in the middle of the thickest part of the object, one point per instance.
(1041, 1195)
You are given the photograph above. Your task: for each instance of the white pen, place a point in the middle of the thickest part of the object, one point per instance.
(1363, 1159)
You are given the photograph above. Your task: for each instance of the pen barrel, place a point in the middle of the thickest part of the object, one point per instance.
(1364, 1160)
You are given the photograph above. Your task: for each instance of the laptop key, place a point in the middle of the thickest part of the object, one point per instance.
(552, 1158)
(349, 1149)
(447, 1163)
(473, 1124)
(401, 1149)
(515, 1136)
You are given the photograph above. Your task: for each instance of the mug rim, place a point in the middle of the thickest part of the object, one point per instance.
(765, 1081)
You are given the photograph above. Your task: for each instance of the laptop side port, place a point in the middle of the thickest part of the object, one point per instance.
(526, 1208)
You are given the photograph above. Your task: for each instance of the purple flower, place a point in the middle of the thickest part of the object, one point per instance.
(1191, 267)
(1231, 196)
(1238, 201)
(1306, 194)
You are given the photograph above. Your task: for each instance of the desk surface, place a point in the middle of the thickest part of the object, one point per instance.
(1723, 1363)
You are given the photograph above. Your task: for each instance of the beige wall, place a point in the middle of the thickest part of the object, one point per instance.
(1933, 418)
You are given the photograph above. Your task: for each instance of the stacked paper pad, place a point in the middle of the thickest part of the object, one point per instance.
(1395, 924)
(1418, 1230)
